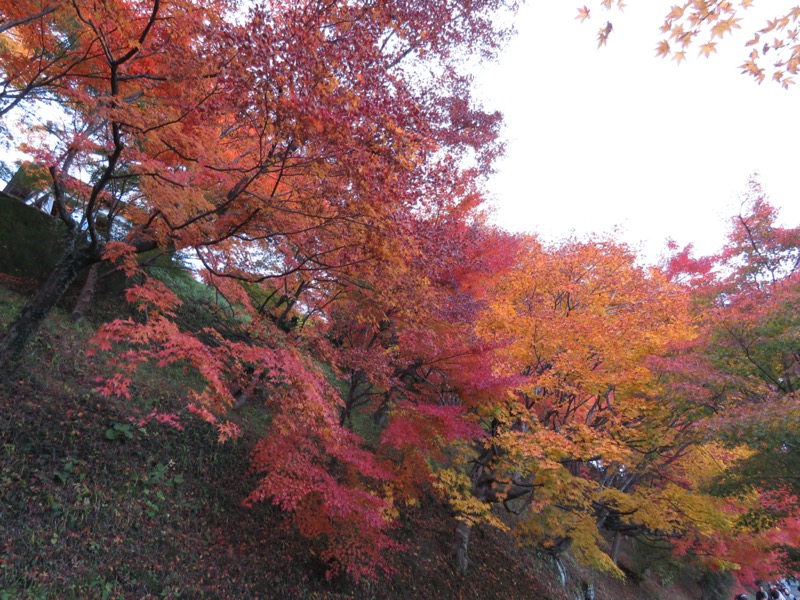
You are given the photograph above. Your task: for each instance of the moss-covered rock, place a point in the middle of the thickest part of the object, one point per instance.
(30, 241)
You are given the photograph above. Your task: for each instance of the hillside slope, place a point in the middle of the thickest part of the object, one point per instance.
(112, 499)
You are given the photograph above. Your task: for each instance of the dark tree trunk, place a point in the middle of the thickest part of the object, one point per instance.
(588, 590)
(87, 293)
(461, 547)
(615, 545)
(74, 259)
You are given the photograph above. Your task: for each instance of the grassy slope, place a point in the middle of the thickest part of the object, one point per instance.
(92, 506)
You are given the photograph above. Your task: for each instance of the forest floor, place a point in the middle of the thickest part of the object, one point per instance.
(95, 505)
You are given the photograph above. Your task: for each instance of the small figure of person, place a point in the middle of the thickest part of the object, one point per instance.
(775, 594)
(784, 589)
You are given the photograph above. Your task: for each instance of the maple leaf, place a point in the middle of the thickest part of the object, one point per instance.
(116, 385)
(603, 33)
(724, 26)
(663, 48)
(227, 430)
(153, 295)
(676, 12)
(707, 49)
(583, 13)
(754, 40)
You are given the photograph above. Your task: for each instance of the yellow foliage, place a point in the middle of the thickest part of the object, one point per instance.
(456, 487)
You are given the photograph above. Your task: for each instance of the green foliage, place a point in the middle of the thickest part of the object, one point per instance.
(72, 468)
(716, 585)
(10, 304)
(365, 425)
(777, 457)
(175, 275)
(120, 431)
(657, 560)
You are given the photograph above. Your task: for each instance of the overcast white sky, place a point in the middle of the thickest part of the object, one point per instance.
(615, 137)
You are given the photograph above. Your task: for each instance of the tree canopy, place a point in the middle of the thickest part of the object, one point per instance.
(322, 167)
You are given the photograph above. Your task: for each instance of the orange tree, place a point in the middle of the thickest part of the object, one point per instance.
(586, 437)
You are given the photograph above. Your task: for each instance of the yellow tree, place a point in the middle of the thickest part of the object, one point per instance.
(583, 439)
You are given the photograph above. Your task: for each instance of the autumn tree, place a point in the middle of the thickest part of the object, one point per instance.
(116, 74)
(41, 47)
(267, 148)
(323, 166)
(399, 343)
(584, 439)
(745, 369)
(323, 163)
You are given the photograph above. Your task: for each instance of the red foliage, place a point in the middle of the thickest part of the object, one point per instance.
(332, 195)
